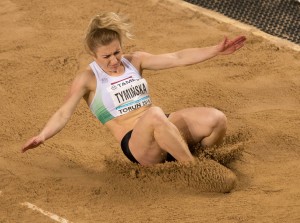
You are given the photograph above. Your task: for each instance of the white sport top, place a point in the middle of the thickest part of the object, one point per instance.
(117, 96)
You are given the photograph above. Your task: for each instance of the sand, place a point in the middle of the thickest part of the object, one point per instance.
(81, 174)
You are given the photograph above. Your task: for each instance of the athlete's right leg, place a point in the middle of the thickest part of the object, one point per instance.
(154, 136)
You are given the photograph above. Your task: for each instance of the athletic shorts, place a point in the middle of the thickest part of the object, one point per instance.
(128, 154)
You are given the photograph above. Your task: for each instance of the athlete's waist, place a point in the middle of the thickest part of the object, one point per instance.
(120, 125)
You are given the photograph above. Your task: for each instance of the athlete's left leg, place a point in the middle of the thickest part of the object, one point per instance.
(200, 124)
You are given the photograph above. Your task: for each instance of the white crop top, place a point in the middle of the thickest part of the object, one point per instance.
(119, 95)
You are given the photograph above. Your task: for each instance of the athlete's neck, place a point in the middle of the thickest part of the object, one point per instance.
(116, 72)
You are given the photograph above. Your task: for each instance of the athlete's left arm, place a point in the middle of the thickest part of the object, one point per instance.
(189, 56)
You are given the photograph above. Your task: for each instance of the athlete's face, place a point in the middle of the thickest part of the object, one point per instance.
(109, 57)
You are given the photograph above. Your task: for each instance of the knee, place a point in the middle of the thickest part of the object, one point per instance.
(156, 116)
(219, 120)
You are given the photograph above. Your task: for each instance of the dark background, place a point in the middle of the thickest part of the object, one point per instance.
(280, 18)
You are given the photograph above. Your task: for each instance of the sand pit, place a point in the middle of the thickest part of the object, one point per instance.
(81, 174)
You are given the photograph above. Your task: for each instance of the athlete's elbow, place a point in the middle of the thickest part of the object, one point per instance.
(182, 61)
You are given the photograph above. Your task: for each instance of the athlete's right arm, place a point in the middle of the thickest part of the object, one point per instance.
(60, 118)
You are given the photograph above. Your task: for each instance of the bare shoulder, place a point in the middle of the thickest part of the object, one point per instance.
(136, 58)
(82, 86)
(85, 79)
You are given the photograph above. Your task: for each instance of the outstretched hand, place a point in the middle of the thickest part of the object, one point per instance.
(227, 46)
(32, 143)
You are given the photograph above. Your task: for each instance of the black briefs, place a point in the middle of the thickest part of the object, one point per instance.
(128, 154)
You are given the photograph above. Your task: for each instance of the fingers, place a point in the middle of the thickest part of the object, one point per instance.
(236, 43)
(27, 146)
(23, 150)
(30, 144)
(239, 40)
(225, 39)
(222, 44)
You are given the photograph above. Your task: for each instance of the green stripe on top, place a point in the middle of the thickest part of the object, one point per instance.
(100, 111)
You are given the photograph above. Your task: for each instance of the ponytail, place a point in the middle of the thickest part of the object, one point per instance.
(104, 28)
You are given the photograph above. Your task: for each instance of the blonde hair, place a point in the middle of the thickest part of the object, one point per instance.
(104, 28)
